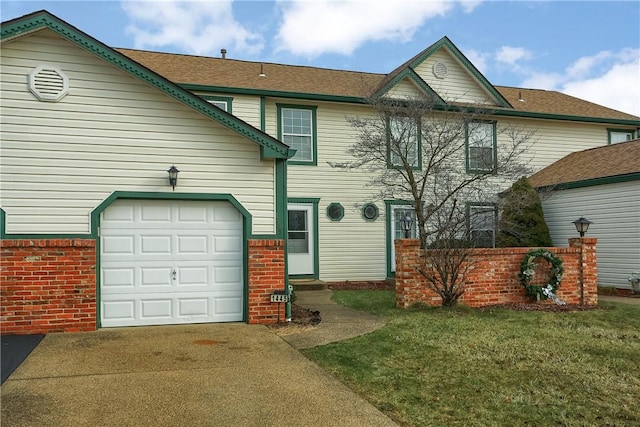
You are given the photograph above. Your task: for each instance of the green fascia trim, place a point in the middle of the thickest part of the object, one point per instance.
(281, 199)
(635, 176)
(563, 117)
(273, 93)
(408, 73)
(314, 131)
(360, 100)
(227, 99)
(618, 130)
(495, 149)
(448, 44)
(316, 244)
(387, 209)
(270, 147)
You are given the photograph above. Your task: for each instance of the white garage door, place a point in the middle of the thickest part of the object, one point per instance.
(170, 262)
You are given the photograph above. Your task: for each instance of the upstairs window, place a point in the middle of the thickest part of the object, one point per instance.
(616, 135)
(481, 147)
(403, 142)
(222, 102)
(297, 129)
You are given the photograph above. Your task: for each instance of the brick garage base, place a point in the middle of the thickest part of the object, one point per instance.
(48, 285)
(493, 278)
(266, 275)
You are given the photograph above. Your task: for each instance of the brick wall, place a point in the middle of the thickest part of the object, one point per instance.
(266, 275)
(493, 277)
(47, 285)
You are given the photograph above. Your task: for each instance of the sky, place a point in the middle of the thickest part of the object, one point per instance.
(586, 49)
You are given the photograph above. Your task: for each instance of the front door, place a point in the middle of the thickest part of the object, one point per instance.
(397, 213)
(300, 237)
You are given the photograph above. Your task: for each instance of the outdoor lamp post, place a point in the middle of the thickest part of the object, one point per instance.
(582, 225)
(173, 176)
(407, 224)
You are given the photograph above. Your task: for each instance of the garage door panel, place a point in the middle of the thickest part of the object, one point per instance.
(171, 262)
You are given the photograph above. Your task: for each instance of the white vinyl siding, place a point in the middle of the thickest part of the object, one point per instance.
(458, 85)
(613, 209)
(405, 89)
(111, 132)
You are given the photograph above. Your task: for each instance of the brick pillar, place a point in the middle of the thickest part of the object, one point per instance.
(266, 275)
(587, 269)
(48, 285)
(407, 262)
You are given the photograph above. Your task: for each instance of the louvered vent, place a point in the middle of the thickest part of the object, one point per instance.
(440, 70)
(48, 83)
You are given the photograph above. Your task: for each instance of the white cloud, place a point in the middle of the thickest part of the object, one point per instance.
(478, 59)
(197, 27)
(311, 28)
(512, 56)
(607, 78)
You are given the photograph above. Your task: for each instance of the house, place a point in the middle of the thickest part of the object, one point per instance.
(603, 185)
(93, 234)
(344, 233)
(89, 134)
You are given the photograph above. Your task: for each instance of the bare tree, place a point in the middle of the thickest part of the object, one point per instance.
(438, 157)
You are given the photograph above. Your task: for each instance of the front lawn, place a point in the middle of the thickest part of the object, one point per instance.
(463, 366)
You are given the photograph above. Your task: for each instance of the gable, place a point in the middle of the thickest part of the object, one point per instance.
(17, 28)
(452, 81)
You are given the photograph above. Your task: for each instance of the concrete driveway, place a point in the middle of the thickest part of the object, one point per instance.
(194, 375)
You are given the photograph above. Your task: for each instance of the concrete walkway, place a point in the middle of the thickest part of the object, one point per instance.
(338, 322)
(192, 375)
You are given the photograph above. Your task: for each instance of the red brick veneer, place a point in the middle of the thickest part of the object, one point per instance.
(47, 285)
(266, 275)
(494, 275)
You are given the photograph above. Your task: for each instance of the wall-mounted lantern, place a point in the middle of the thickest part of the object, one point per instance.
(582, 225)
(173, 177)
(407, 225)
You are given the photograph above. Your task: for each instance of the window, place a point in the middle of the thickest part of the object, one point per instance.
(222, 102)
(297, 129)
(481, 147)
(618, 135)
(335, 211)
(403, 142)
(482, 225)
(370, 212)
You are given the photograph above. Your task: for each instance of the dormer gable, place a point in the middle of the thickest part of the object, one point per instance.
(444, 73)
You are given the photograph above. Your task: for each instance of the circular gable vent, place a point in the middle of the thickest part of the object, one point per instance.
(440, 70)
(48, 83)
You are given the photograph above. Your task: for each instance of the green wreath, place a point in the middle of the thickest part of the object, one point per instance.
(527, 273)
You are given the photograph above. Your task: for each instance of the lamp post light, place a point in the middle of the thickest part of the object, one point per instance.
(407, 225)
(582, 225)
(173, 176)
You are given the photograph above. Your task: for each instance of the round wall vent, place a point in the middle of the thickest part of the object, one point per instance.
(440, 70)
(48, 83)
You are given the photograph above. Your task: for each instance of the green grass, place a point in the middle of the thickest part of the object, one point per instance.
(436, 366)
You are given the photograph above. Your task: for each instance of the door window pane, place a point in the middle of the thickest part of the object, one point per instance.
(298, 236)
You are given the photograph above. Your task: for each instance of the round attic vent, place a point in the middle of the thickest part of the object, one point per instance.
(440, 70)
(48, 83)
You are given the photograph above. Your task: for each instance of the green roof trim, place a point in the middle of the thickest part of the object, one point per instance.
(635, 176)
(408, 73)
(269, 146)
(448, 44)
